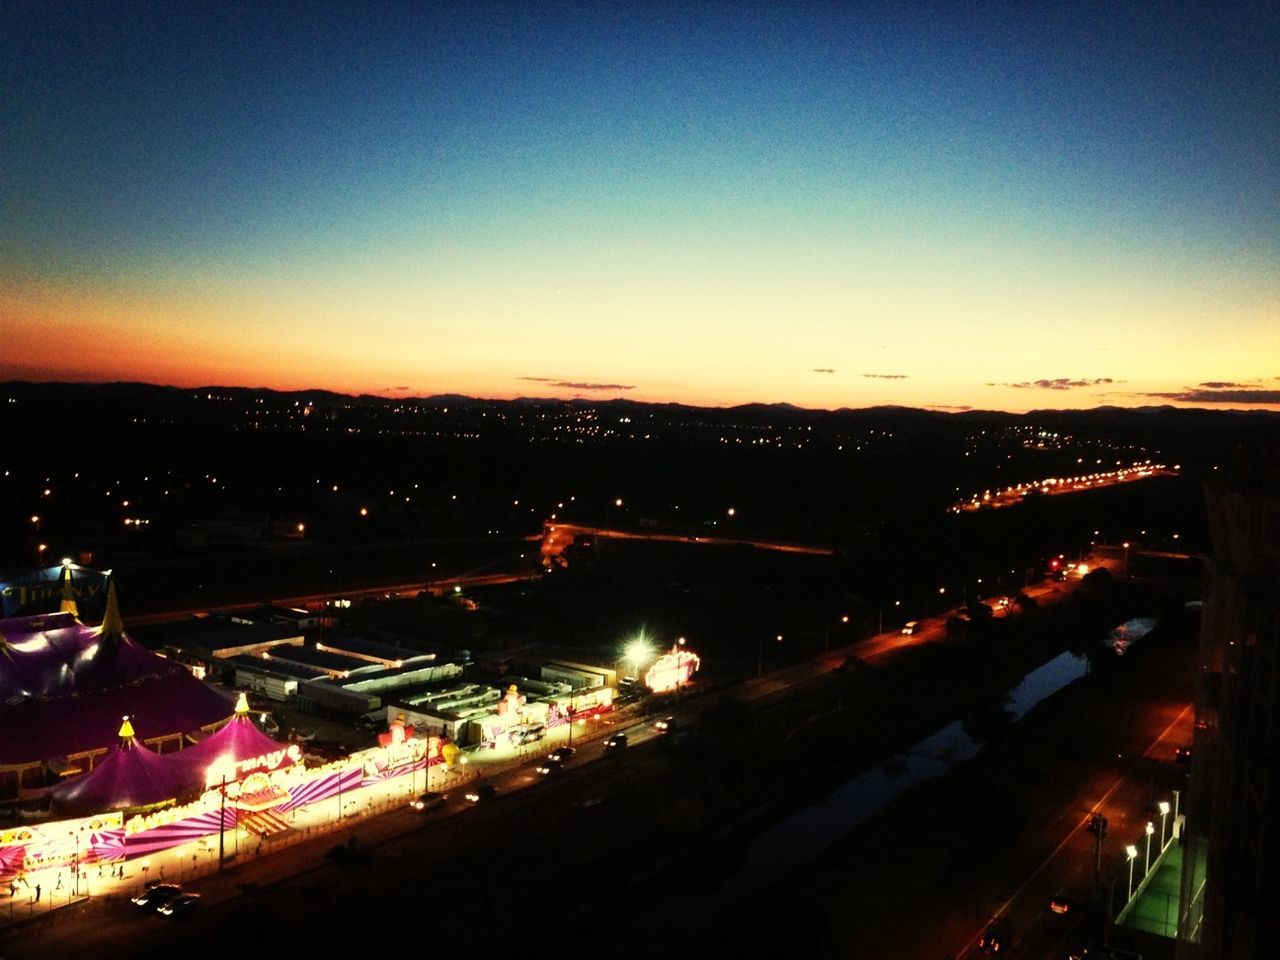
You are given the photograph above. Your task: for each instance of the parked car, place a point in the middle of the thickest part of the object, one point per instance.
(483, 792)
(429, 800)
(562, 754)
(530, 734)
(156, 895)
(183, 905)
(615, 742)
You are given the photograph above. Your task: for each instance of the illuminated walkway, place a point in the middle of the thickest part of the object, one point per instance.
(1155, 908)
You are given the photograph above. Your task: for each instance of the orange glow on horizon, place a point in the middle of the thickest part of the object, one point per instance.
(104, 334)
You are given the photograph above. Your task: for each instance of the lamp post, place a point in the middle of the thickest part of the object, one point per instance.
(1151, 828)
(897, 604)
(679, 651)
(760, 654)
(1132, 853)
(1124, 569)
(1164, 813)
(222, 822)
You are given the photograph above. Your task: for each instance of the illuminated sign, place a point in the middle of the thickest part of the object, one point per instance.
(236, 769)
(671, 670)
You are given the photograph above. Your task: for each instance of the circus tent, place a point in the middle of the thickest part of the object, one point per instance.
(133, 776)
(64, 686)
(129, 776)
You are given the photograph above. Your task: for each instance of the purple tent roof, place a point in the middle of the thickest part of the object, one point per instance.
(238, 740)
(64, 687)
(133, 776)
(130, 776)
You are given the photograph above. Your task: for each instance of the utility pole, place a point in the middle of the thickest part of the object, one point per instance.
(1098, 823)
(222, 823)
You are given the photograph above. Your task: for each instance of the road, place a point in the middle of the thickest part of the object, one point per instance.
(1053, 486)
(312, 601)
(558, 536)
(1069, 870)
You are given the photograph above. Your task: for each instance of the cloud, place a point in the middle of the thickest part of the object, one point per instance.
(885, 376)
(1199, 395)
(824, 369)
(948, 406)
(579, 385)
(1226, 385)
(1061, 383)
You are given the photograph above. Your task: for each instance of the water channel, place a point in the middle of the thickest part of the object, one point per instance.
(806, 834)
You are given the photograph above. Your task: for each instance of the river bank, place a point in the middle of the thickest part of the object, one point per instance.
(940, 858)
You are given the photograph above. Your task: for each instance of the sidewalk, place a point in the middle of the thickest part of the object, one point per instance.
(196, 863)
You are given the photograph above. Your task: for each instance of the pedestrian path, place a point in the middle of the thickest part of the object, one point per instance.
(1155, 908)
(38, 894)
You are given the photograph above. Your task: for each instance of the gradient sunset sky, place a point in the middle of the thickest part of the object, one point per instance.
(998, 206)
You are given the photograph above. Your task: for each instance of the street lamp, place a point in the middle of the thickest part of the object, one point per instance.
(1132, 853)
(222, 821)
(1151, 828)
(637, 652)
(339, 799)
(1124, 570)
(1164, 812)
(75, 863)
(896, 604)
(760, 654)
(679, 652)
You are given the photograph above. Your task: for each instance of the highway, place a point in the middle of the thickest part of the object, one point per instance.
(558, 536)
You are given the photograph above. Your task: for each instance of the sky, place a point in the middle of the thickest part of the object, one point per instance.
(991, 206)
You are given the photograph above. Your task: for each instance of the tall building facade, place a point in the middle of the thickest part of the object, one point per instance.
(1230, 902)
